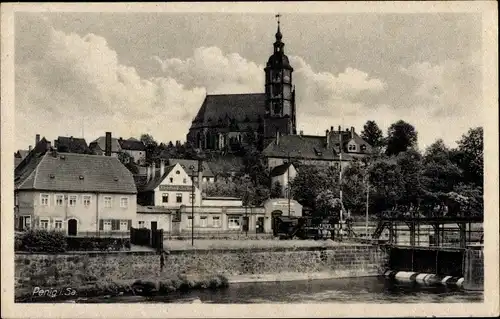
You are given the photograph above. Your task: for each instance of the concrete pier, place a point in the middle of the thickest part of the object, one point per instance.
(474, 268)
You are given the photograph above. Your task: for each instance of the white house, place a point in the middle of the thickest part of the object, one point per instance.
(76, 193)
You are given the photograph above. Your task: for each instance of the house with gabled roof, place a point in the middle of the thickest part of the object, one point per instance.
(65, 144)
(98, 146)
(135, 148)
(335, 148)
(78, 194)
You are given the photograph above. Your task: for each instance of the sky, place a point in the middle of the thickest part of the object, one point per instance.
(83, 74)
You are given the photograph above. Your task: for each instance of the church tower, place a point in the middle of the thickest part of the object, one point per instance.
(280, 93)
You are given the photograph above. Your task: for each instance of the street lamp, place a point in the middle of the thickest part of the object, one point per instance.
(192, 204)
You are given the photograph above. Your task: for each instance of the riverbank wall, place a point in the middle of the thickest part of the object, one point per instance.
(238, 265)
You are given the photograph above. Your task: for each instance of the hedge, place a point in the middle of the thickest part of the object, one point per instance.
(56, 242)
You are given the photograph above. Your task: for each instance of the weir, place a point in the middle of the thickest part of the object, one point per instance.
(452, 250)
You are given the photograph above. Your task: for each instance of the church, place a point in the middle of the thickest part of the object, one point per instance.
(226, 122)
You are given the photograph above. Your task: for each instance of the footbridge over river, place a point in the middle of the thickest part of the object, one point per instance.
(444, 246)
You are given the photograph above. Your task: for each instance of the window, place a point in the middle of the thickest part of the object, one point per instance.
(191, 197)
(216, 221)
(123, 225)
(204, 179)
(363, 147)
(59, 200)
(124, 202)
(72, 200)
(352, 147)
(203, 221)
(178, 197)
(25, 222)
(58, 224)
(107, 225)
(44, 223)
(233, 222)
(44, 199)
(171, 179)
(177, 172)
(190, 221)
(141, 224)
(107, 201)
(86, 200)
(184, 181)
(164, 198)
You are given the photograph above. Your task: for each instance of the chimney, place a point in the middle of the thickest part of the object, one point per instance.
(162, 167)
(200, 174)
(29, 148)
(352, 131)
(49, 146)
(331, 128)
(37, 139)
(340, 129)
(148, 173)
(277, 138)
(327, 138)
(153, 170)
(107, 147)
(301, 133)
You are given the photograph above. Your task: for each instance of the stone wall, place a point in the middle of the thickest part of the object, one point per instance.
(74, 269)
(474, 268)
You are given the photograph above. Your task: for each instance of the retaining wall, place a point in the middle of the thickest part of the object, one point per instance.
(79, 268)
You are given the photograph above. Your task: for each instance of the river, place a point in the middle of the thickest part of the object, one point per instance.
(346, 290)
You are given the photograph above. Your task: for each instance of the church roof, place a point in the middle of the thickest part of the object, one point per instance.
(222, 107)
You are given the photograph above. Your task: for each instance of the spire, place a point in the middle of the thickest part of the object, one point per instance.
(279, 36)
(278, 45)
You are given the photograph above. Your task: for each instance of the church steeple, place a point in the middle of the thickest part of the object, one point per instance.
(280, 101)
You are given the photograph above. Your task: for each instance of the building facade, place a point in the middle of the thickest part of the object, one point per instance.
(135, 149)
(226, 122)
(106, 144)
(336, 148)
(283, 175)
(79, 194)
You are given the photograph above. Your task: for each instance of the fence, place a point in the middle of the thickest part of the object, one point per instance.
(217, 235)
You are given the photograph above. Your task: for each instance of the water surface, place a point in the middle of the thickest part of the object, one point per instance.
(348, 290)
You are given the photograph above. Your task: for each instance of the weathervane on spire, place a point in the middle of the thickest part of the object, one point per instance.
(278, 18)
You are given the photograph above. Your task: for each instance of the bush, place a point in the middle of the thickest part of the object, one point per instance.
(97, 243)
(41, 241)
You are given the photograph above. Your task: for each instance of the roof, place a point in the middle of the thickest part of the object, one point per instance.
(220, 109)
(101, 144)
(186, 164)
(152, 209)
(17, 161)
(280, 170)
(131, 145)
(314, 147)
(21, 154)
(72, 145)
(73, 172)
(142, 183)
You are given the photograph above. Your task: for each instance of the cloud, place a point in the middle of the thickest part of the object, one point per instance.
(80, 79)
(209, 67)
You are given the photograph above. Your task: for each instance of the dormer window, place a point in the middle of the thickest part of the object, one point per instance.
(352, 147)
(318, 153)
(363, 148)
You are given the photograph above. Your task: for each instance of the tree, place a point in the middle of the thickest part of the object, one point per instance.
(469, 156)
(312, 180)
(401, 136)
(385, 185)
(439, 173)
(354, 181)
(328, 204)
(372, 134)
